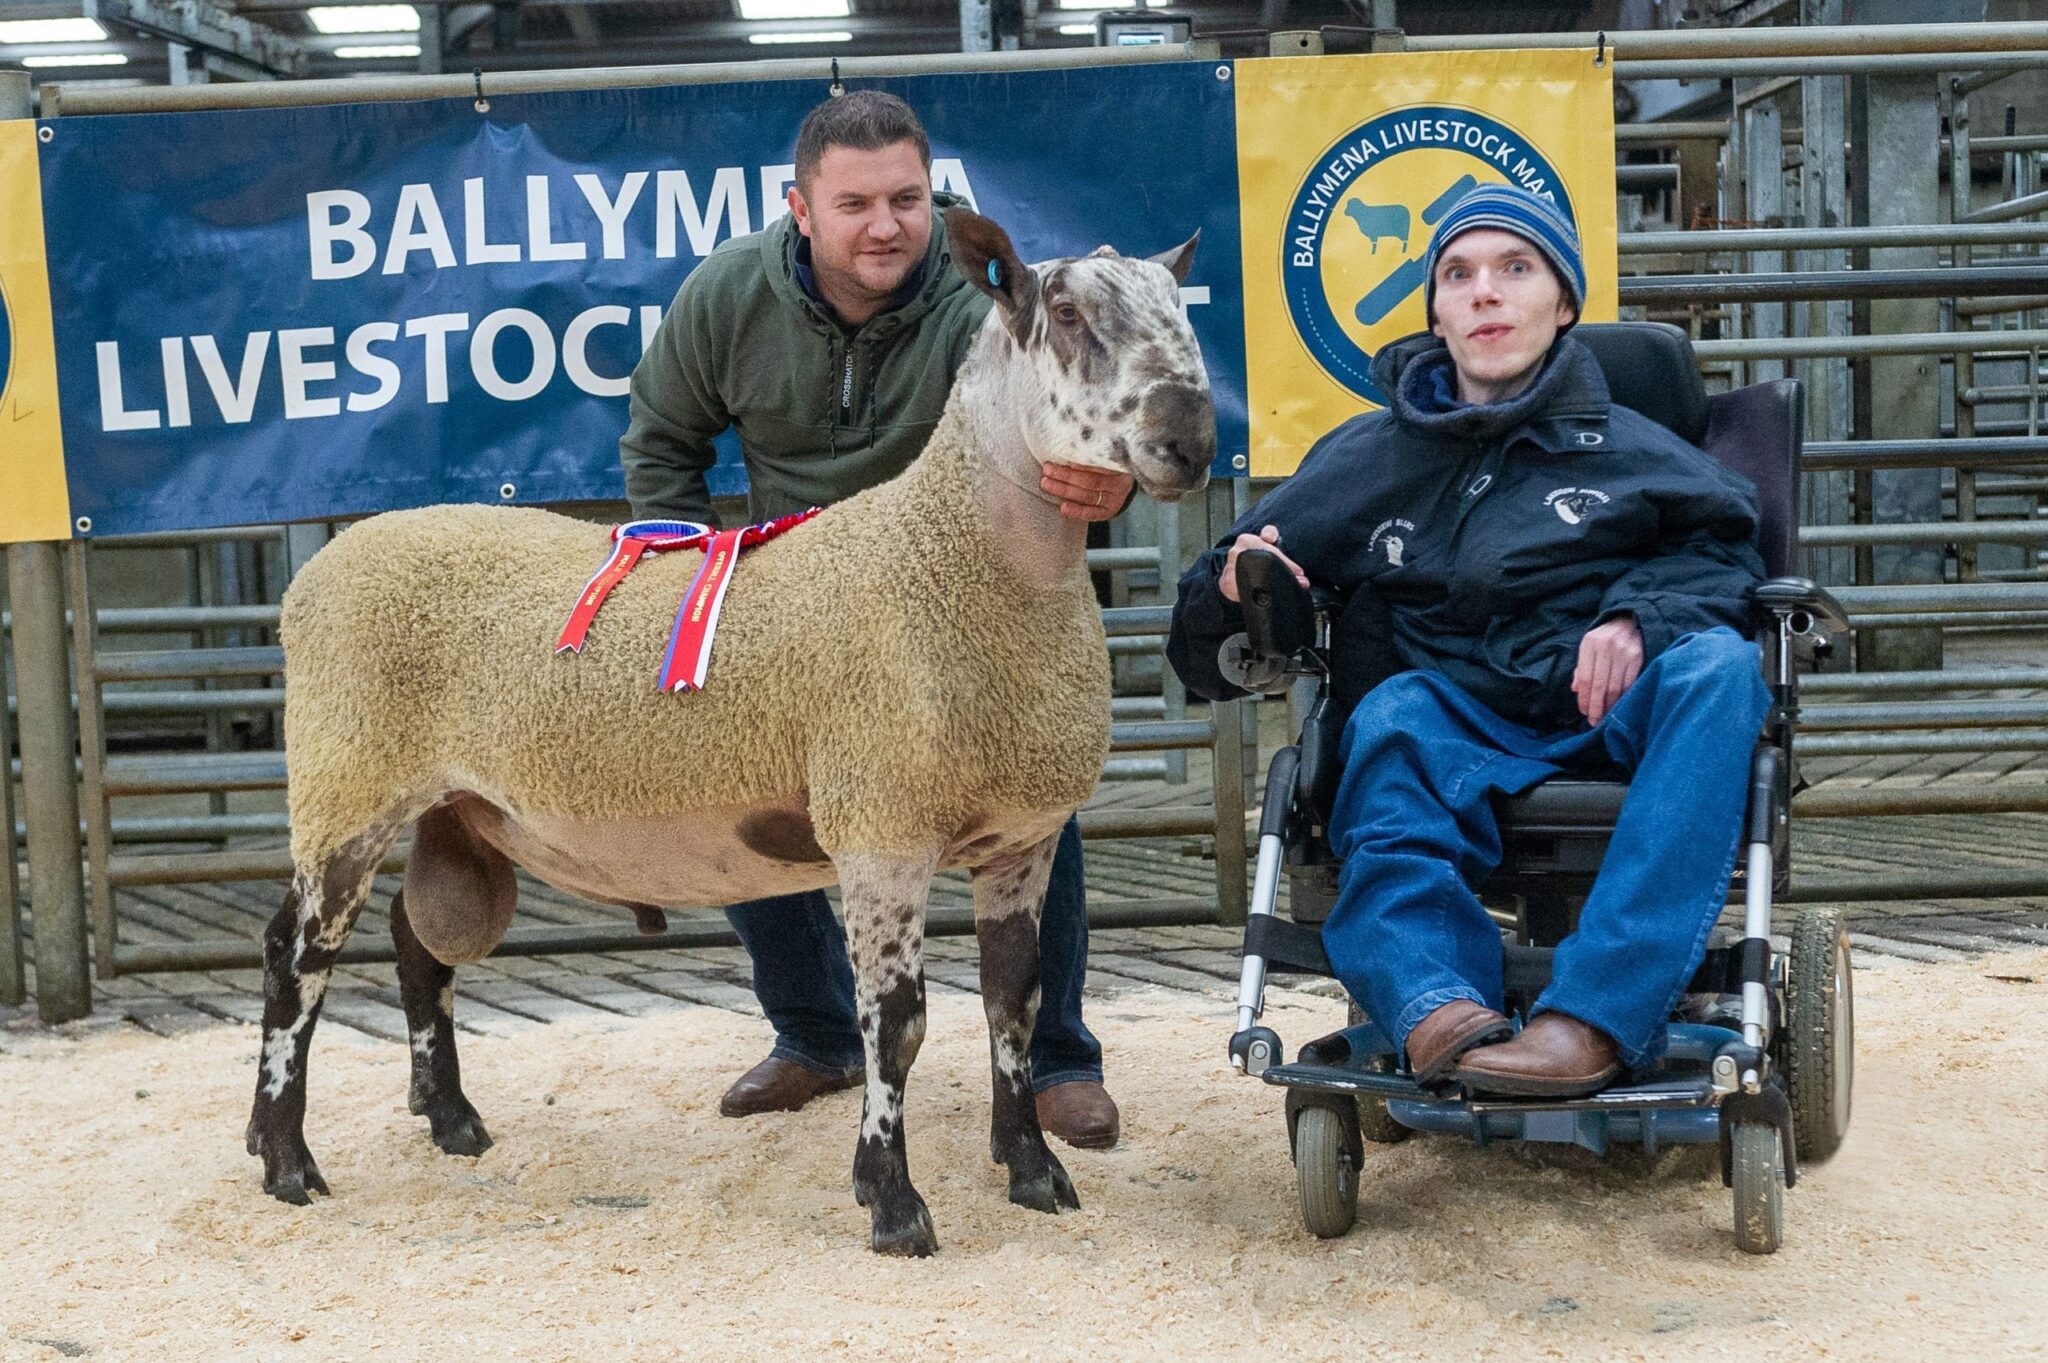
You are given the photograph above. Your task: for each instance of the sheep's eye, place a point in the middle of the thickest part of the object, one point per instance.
(1066, 314)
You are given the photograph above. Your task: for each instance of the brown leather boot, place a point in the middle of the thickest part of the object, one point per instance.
(1081, 1113)
(778, 1085)
(1436, 1042)
(1555, 1056)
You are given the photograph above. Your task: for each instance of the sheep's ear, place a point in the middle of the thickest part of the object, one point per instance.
(983, 253)
(1180, 259)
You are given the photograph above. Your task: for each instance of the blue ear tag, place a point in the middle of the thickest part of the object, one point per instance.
(995, 275)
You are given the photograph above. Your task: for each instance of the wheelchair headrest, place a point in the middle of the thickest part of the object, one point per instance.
(1650, 368)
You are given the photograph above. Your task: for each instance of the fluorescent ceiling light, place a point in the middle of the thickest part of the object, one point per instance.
(380, 50)
(50, 31)
(834, 36)
(1078, 30)
(794, 9)
(79, 59)
(364, 18)
(1099, 4)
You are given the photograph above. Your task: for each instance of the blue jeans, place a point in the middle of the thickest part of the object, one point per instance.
(805, 982)
(1414, 824)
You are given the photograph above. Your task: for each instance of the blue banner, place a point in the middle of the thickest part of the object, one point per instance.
(293, 314)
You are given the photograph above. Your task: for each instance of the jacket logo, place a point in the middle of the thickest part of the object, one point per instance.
(1590, 438)
(1392, 545)
(1572, 504)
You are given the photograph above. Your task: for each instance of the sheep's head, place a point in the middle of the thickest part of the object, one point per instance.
(1103, 367)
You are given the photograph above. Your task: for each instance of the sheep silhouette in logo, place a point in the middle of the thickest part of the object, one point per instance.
(1379, 220)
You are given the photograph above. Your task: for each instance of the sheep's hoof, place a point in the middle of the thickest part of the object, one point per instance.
(904, 1229)
(1048, 1190)
(292, 1177)
(457, 1128)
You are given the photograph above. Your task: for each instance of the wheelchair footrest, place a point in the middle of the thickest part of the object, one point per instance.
(1346, 1079)
(1634, 1097)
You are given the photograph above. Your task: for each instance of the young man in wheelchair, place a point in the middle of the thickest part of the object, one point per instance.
(1555, 585)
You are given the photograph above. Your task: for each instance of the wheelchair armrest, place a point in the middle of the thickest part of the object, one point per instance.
(1279, 635)
(1787, 597)
(1279, 616)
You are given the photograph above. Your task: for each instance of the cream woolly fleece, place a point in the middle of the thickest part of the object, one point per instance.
(879, 662)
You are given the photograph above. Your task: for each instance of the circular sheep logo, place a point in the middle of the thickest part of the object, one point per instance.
(1574, 504)
(1351, 263)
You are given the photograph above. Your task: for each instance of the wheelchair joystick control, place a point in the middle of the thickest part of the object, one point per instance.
(1255, 1050)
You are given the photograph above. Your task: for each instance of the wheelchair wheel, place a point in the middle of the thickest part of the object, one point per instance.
(1759, 1177)
(1819, 1045)
(1374, 1123)
(1325, 1172)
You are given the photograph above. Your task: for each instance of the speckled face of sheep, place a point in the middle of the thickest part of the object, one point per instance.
(1103, 363)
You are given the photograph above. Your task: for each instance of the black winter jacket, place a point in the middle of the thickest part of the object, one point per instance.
(1494, 537)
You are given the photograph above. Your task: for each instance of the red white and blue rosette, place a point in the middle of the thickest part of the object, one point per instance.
(687, 662)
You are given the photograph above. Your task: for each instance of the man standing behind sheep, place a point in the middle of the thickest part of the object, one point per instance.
(829, 342)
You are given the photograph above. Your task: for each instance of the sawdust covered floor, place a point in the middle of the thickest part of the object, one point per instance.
(619, 1218)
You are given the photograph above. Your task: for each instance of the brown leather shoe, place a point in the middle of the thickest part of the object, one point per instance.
(1081, 1113)
(1436, 1042)
(1555, 1056)
(778, 1085)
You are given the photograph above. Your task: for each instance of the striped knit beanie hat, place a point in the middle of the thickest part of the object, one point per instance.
(1535, 220)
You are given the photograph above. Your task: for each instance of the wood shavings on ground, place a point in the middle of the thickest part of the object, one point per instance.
(620, 1218)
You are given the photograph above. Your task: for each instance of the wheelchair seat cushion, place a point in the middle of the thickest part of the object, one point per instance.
(1563, 805)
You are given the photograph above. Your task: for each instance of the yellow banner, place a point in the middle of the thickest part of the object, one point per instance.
(1345, 164)
(34, 502)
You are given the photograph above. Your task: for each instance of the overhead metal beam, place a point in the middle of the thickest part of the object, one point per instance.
(1787, 41)
(206, 26)
(633, 36)
(87, 99)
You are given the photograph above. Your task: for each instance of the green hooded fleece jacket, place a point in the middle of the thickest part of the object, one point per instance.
(822, 410)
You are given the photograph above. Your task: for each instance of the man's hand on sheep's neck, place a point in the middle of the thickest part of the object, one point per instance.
(1086, 494)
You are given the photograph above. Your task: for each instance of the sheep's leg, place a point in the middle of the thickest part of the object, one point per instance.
(885, 902)
(299, 948)
(1008, 895)
(426, 988)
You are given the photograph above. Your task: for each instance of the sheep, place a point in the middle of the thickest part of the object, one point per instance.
(913, 680)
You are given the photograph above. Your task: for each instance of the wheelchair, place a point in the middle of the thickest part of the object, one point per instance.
(1761, 1049)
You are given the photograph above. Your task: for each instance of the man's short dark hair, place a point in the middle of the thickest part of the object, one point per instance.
(866, 120)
